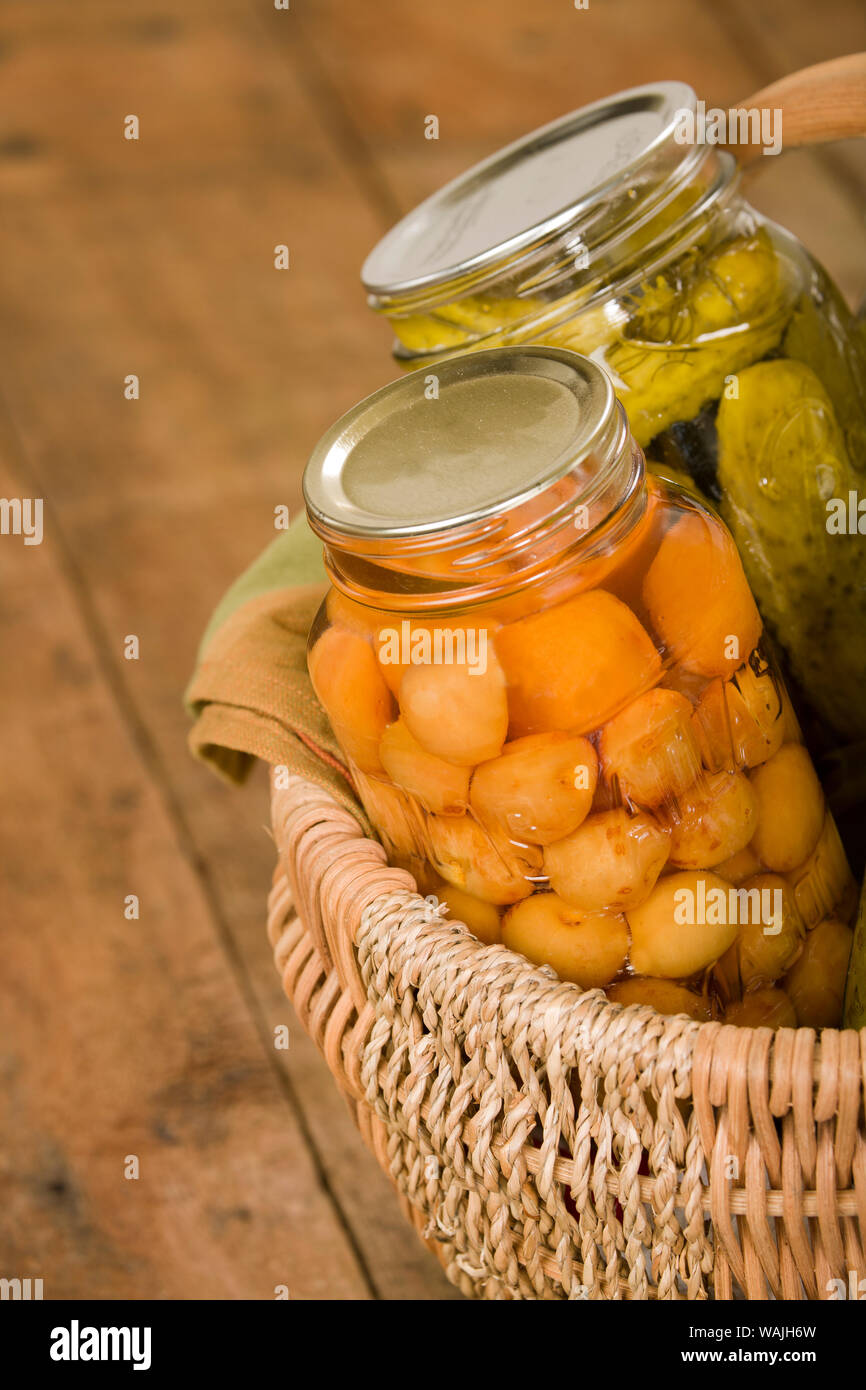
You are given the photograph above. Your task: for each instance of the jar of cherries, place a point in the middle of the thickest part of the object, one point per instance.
(550, 681)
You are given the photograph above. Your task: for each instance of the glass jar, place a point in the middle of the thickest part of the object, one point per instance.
(549, 678)
(740, 367)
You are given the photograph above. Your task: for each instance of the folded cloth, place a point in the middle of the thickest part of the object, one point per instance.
(250, 696)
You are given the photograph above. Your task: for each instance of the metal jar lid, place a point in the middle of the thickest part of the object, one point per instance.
(487, 433)
(502, 212)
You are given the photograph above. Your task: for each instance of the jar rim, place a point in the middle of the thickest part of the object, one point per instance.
(355, 462)
(534, 523)
(492, 220)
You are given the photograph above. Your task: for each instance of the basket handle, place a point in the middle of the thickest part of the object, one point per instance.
(818, 104)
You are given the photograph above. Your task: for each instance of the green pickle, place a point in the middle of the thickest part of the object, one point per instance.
(459, 325)
(822, 335)
(686, 335)
(782, 456)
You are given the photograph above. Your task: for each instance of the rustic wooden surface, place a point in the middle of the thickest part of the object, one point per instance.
(154, 1038)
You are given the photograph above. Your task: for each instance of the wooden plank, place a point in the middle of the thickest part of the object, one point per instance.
(206, 82)
(72, 74)
(127, 1037)
(167, 498)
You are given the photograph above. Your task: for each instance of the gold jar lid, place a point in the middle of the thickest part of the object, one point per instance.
(482, 436)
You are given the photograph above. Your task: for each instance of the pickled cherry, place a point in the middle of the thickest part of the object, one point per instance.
(698, 598)
(649, 747)
(611, 861)
(440, 786)
(538, 789)
(482, 918)
(790, 806)
(768, 941)
(470, 858)
(571, 667)
(665, 996)
(673, 934)
(358, 703)
(455, 711)
(588, 949)
(713, 821)
(816, 980)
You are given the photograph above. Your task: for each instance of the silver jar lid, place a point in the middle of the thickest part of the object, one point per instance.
(503, 211)
(484, 434)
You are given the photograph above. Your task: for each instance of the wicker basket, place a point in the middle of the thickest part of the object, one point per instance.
(544, 1142)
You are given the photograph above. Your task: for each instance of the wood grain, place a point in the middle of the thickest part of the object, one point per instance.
(126, 1037)
(156, 257)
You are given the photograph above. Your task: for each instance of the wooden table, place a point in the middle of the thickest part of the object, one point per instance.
(153, 1038)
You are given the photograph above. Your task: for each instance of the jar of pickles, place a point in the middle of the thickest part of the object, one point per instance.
(550, 681)
(740, 367)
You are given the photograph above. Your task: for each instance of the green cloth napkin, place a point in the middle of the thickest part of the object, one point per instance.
(293, 560)
(250, 695)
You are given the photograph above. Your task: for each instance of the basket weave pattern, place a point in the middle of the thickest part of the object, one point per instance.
(544, 1142)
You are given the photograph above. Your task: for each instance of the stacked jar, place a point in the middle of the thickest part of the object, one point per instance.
(549, 678)
(614, 233)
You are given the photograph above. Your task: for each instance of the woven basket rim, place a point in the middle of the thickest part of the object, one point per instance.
(643, 1012)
